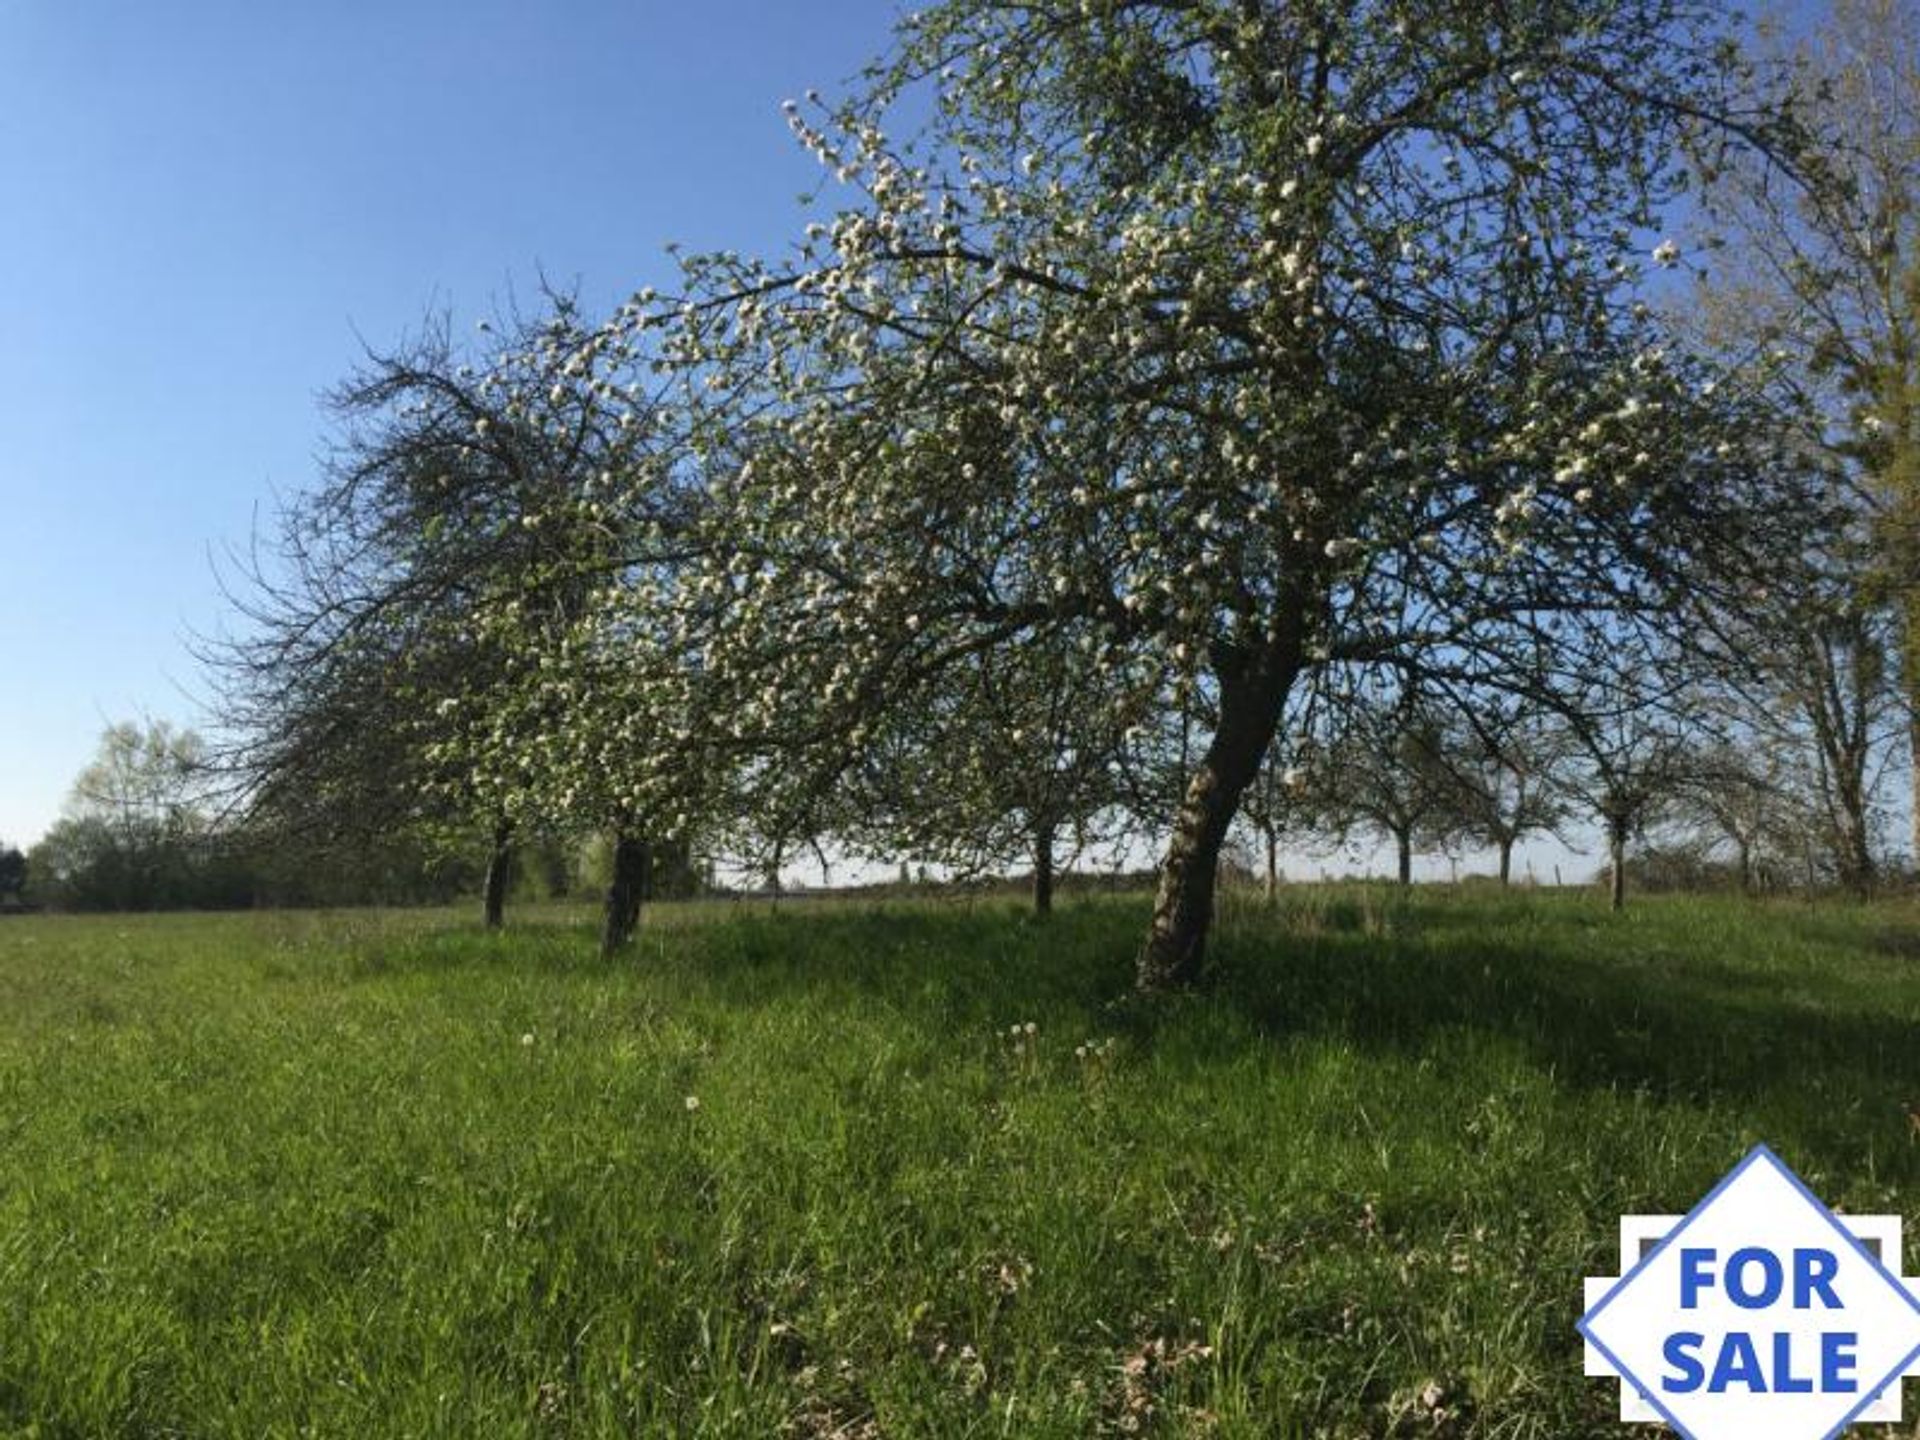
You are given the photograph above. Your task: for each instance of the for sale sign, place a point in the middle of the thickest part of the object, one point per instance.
(1760, 1315)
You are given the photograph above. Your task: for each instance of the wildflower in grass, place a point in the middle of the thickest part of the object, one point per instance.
(527, 1039)
(1096, 1058)
(693, 1103)
(1023, 1045)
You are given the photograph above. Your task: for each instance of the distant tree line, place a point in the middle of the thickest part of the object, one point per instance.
(146, 828)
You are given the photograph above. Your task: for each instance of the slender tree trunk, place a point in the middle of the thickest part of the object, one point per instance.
(1403, 842)
(1910, 657)
(1043, 871)
(1253, 693)
(1506, 860)
(1617, 864)
(1273, 864)
(1913, 835)
(499, 862)
(625, 891)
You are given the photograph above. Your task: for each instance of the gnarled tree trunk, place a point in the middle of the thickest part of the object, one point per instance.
(625, 891)
(499, 863)
(1253, 693)
(1403, 844)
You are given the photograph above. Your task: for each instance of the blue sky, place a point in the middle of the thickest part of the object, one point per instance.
(206, 204)
(203, 205)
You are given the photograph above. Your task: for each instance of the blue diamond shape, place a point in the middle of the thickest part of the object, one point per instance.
(1759, 1153)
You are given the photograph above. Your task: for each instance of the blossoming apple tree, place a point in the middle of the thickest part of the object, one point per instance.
(1251, 338)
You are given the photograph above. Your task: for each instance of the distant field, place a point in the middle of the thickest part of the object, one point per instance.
(384, 1175)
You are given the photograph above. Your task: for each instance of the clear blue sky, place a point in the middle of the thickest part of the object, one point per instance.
(202, 204)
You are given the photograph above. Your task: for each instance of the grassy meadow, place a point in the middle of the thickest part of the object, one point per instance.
(382, 1174)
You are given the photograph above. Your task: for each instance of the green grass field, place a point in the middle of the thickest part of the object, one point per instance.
(385, 1175)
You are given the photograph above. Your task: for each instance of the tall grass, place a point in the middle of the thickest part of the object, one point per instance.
(795, 1173)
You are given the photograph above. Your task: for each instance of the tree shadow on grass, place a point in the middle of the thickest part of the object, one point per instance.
(1789, 1043)
(1793, 1047)
(1786, 1023)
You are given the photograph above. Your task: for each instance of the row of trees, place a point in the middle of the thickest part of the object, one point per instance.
(1767, 807)
(147, 826)
(1211, 395)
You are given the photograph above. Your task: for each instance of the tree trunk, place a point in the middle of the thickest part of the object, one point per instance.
(1856, 843)
(1743, 858)
(1403, 842)
(1506, 860)
(499, 862)
(1910, 654)
(1617, 850)
(1043, 871)
(1253, 693)
(1273, 864)
(625, 892)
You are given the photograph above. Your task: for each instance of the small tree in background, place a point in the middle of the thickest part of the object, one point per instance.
(1738, 796)
(1015, 755)
(1380, 770)
(1627, 762)
(1502, 764)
